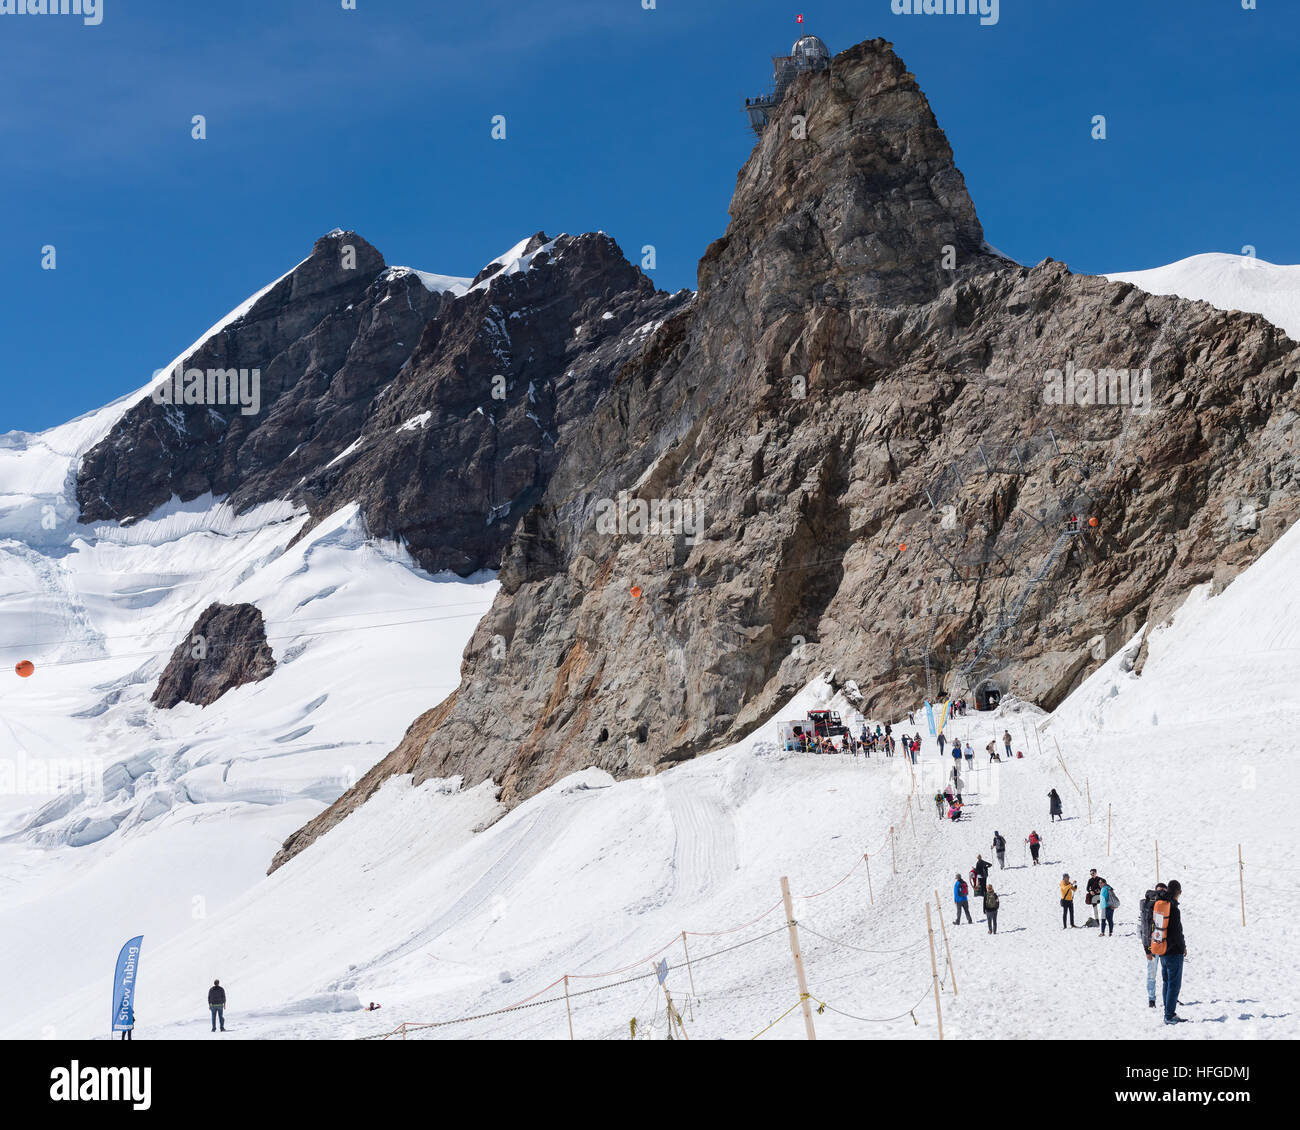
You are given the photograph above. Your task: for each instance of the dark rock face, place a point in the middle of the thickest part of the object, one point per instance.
(859, 401)
(462, 443)
(225, 649)
(441, 415)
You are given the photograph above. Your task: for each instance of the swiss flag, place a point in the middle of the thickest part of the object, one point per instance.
(799, 18)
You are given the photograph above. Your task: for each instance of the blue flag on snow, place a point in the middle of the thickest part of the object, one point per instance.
(128, 963)
(662, 970)
(929, 719)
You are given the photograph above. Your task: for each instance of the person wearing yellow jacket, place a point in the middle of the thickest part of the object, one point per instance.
(1067, 900)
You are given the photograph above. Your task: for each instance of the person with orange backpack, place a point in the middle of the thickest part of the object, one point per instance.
(1168, 944)
(1149, 900)
(959, 893)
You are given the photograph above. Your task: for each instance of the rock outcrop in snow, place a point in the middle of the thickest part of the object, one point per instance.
(226, 648)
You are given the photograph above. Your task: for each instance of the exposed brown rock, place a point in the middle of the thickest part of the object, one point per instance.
(225, 649)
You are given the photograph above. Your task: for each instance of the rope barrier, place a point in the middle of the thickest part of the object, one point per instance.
(779, 1018)
(882, 1020)
(907, 949)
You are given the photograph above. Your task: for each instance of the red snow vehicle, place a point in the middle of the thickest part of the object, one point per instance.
(827, 724)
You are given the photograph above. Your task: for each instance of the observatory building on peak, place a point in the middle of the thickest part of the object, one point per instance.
(808, 54)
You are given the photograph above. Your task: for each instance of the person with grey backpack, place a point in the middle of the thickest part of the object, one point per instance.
(991, 908)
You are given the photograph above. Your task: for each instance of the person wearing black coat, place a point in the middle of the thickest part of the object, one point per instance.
(1171, 961)
(1055, 805)
(217, 1005)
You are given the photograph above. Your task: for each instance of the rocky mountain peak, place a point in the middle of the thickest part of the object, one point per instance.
(850, 196)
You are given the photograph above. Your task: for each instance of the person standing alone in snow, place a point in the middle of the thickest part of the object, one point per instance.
(941, 740)
(1168, 943)
(1160, 891)
(1000, 849)
(1006, 741)
(1067, 900)
(217, 1005)
(1054, 805)
(969, 754)
(1034, 844)
(991, 908)
(959, 892)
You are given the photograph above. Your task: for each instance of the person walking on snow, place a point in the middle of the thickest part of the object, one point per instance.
(1006, 741)
(938, 803)
(982, 869)
(1107, 901)
(956, 751)
(1000, 849)
(942, 742)
(992, 751)
(1034, 844)
(1149, 900)
(1054, 807)
(1067, 900)
(217, 1005)
(969, 754)
(959, 892)
(991, 908)
(1090, 893)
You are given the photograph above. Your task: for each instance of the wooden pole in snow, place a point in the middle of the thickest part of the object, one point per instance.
(798, 959)
(870, 893)
(688, 963)
(934, 968)
(568, 1009)
(1064, 766)
(1241, 882)
(946, 949)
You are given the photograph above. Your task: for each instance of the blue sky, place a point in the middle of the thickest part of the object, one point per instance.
(618, 119)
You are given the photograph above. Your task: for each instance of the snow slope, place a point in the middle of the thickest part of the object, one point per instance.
(405, 903)
(1230, 282)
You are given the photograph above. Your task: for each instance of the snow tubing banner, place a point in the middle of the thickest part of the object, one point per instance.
(128, 962)
(929, 718)
(943, 715)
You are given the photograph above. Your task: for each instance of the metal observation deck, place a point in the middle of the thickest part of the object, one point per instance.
(808, 54)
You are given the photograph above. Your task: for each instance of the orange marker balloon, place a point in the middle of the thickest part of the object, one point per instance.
(636, 592)
(26, 669)
(1092, 522)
